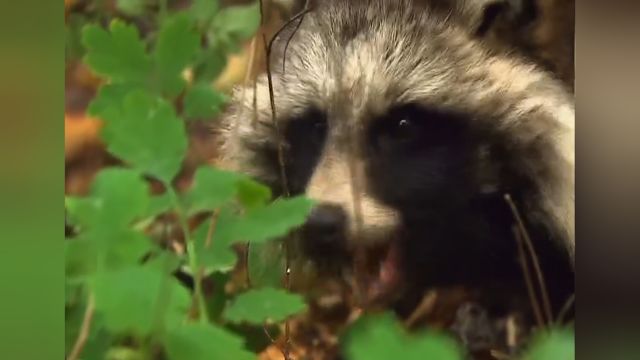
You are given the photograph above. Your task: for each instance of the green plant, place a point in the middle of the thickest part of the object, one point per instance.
(123, 301)
(556, 344)
(114, 269)
(382, 337)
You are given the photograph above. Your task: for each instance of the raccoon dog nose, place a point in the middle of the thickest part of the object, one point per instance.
(325, 224)
(323, 237)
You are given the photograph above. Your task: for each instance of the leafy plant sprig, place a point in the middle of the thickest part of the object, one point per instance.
(145, 128)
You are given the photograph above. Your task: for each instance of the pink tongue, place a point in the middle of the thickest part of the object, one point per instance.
(389, 271)
(388, 275)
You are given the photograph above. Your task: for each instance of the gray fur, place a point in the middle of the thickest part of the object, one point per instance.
(356, 59)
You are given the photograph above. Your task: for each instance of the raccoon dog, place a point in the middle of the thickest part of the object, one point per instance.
(408, 128)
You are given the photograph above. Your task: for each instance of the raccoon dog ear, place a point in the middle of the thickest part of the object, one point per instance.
(484, 16)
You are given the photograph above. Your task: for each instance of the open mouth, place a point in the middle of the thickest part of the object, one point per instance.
(379, 273)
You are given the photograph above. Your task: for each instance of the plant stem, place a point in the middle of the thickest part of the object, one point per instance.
(164, 294)
(85, 329)
(203, 314)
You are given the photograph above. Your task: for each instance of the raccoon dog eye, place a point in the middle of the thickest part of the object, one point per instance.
(401, 126)
(404, 129)
(411, 126)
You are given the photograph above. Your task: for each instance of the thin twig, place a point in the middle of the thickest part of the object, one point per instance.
(286, 45)
(527, 278)
(261, 13)
(512, 332)
(423, 309)
(283, 174)
(565, 309)
(268, 50)
(285, 352)
(274, 116)
(295, 17)
(281, 162)
(212, 228)
(266, 332)
(534, 258)
(85, 329)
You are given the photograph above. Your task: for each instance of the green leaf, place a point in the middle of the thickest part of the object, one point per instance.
(556, 345)
(274, 220)
(165, 262)
(202, 101)
(266, 264)
(131, 7)
(117, 197)
(202, 11)
(132, 299)
(124, 353)
(258, 306)
(377, 337)
(212, 188)
(121, 248)
(238, 22)
(108, 102)
(218, 298)
(381, 337)
(211, 63)
(148, 135)
(74, 293)
(252, 194)
(121, 195)
(216, 253)
(205, 342)
(118, 54)
(261, 224)
(176, 47)
(159, 204)
(98, 343)
(80, 257)
(104, 248)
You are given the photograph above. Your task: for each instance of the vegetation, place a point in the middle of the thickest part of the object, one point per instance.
(122, 298)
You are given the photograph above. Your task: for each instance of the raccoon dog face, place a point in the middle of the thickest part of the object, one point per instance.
(408, 130)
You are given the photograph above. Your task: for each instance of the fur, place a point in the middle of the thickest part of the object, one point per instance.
(511, 129)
